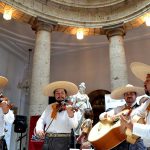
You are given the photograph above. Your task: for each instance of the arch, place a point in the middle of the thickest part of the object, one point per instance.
(97, 100)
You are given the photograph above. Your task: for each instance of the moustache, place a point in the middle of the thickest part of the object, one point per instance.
(61, 100)
(129, 97)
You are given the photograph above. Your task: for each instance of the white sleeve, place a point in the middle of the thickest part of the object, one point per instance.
(142, 130)
(139, 98)
(141, 110)
(110, 113)
(102, 116)
(9, 117)
(75, 120)
(41, 121)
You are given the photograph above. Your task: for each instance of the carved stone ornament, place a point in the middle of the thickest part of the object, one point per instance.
(91, 14)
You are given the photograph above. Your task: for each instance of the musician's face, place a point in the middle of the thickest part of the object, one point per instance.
(147, 85)
(130, 97)
(60, 94)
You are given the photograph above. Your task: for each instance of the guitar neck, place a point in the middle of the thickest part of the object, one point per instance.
(115, 118)
(125, 112)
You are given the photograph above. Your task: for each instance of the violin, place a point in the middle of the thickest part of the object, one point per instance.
(3, 98)
(66, 103)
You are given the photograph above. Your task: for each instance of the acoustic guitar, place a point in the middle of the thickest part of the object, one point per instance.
(106, 134)
(131, 138)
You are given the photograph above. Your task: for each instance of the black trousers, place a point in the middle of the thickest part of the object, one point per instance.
(3, 145)
(56, 143)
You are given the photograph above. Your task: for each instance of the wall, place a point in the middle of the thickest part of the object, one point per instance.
(13, 67)
(77, 61)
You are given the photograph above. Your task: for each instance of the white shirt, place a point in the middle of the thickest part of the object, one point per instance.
(115, 111)
(5, 118)
(140, 97)
(143, 130)
(62, 124)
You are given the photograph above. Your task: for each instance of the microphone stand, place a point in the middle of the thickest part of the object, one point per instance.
(20, 139)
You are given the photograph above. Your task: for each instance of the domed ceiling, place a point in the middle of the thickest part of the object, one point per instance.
(92, 15)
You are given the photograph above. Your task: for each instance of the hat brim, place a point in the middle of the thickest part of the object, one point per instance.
(140, 70)
(70, 87)
(119, 92)
(3, 81)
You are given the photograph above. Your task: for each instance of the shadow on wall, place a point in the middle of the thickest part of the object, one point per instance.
(97, 100)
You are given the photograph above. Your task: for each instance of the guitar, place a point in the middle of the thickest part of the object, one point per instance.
(131, 138)
(107, 134)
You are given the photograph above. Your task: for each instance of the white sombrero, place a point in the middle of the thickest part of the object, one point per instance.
(140, 70)
(119, 92)
(70, 87)
(3, 81)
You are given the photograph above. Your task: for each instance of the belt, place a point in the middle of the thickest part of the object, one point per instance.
(58, 134)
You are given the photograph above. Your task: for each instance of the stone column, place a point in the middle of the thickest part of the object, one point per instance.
(118, 67)
(40, 68)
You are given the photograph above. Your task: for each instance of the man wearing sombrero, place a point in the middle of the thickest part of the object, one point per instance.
(6, 115)
(129, 94)
(58, 121)
(141, 71)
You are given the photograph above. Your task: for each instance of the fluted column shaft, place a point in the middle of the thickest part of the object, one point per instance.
(40, 68)
(118, 67)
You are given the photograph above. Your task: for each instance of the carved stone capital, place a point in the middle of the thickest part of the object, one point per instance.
(41, 25)
(115, 31)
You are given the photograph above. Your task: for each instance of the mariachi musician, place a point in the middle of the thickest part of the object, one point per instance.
(6, 115)
(142, 72)
(58, 118)
(129, 94)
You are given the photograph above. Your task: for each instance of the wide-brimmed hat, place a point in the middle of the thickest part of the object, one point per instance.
(70, 87)
(3, 81)
(119, 92)
(140, 70)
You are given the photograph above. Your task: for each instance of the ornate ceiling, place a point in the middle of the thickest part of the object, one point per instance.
(92, 15)
(88, 3)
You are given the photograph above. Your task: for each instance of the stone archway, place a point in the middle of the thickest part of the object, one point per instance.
(97, 100)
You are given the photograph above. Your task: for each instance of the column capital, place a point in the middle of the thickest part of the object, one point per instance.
(115, 31)
(39, 24)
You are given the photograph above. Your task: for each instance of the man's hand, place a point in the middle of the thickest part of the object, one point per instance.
(4, 106)
(41, 134)
(70, 111)
(86, 145)
(126, 123)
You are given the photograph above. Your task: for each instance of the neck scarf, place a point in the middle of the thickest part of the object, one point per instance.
(55, 109)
